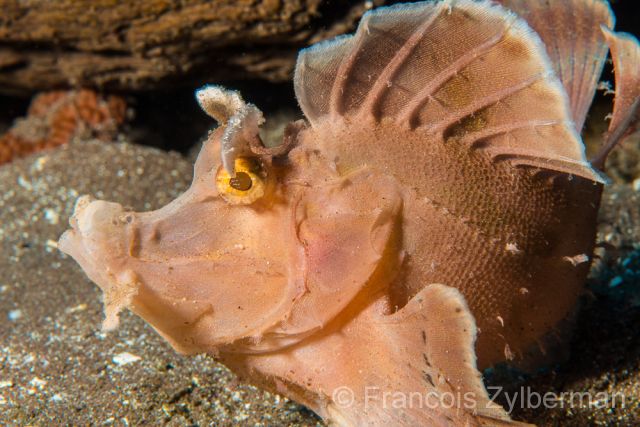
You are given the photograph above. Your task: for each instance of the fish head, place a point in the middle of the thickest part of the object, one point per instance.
(254, 259)
(216, 258)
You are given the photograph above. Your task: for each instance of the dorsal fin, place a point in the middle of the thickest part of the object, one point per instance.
(625, 119)
(455, 68)
(570, 31)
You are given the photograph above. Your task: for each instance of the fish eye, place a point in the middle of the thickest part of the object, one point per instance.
(242, 181)
(247, 186)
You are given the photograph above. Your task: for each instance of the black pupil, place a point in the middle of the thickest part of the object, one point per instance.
(241, 181)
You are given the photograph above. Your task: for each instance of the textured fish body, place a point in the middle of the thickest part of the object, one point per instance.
(499, 234)
(437, 205)
(449, 114)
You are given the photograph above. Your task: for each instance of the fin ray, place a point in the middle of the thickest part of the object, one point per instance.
(388, 73)
(479, 104)
(315, 71)
(576, 49)
(427, 93)
(475, 137)
(342, 75)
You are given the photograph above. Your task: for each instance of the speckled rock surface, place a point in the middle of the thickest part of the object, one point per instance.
(56, 367)
(158, 43)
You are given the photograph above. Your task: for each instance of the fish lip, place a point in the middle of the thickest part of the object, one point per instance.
(66, 241)
(79, 208)
(97, 233)
(92, 222)
(72, 238)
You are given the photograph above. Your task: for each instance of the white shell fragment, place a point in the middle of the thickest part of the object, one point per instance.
(125, 358)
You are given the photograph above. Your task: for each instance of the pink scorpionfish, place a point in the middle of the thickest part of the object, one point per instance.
(434, 214)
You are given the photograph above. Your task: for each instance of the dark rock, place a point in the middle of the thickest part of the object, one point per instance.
(153, 44)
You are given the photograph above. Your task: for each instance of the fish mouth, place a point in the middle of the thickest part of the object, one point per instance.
(97, 241)
(97, 237)
(95, 224)
(70, 242)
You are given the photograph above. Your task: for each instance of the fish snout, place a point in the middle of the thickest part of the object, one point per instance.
(97, 231)
(100, 241)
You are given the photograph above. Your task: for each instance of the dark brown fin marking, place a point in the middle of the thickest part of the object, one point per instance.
(479, 104)
(431, 66)
(577, 50)
(625, 119)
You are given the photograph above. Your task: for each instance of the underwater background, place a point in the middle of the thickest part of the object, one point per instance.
(97, 97)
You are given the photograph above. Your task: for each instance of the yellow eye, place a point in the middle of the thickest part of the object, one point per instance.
(249, 184)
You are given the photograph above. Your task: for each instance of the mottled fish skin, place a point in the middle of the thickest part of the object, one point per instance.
(438, 205)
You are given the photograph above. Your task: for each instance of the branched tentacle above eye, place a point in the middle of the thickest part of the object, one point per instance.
(289, 140)
(241, 120)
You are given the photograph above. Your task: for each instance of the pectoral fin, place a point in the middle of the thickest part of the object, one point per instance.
(433, 340)
(419, 368)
